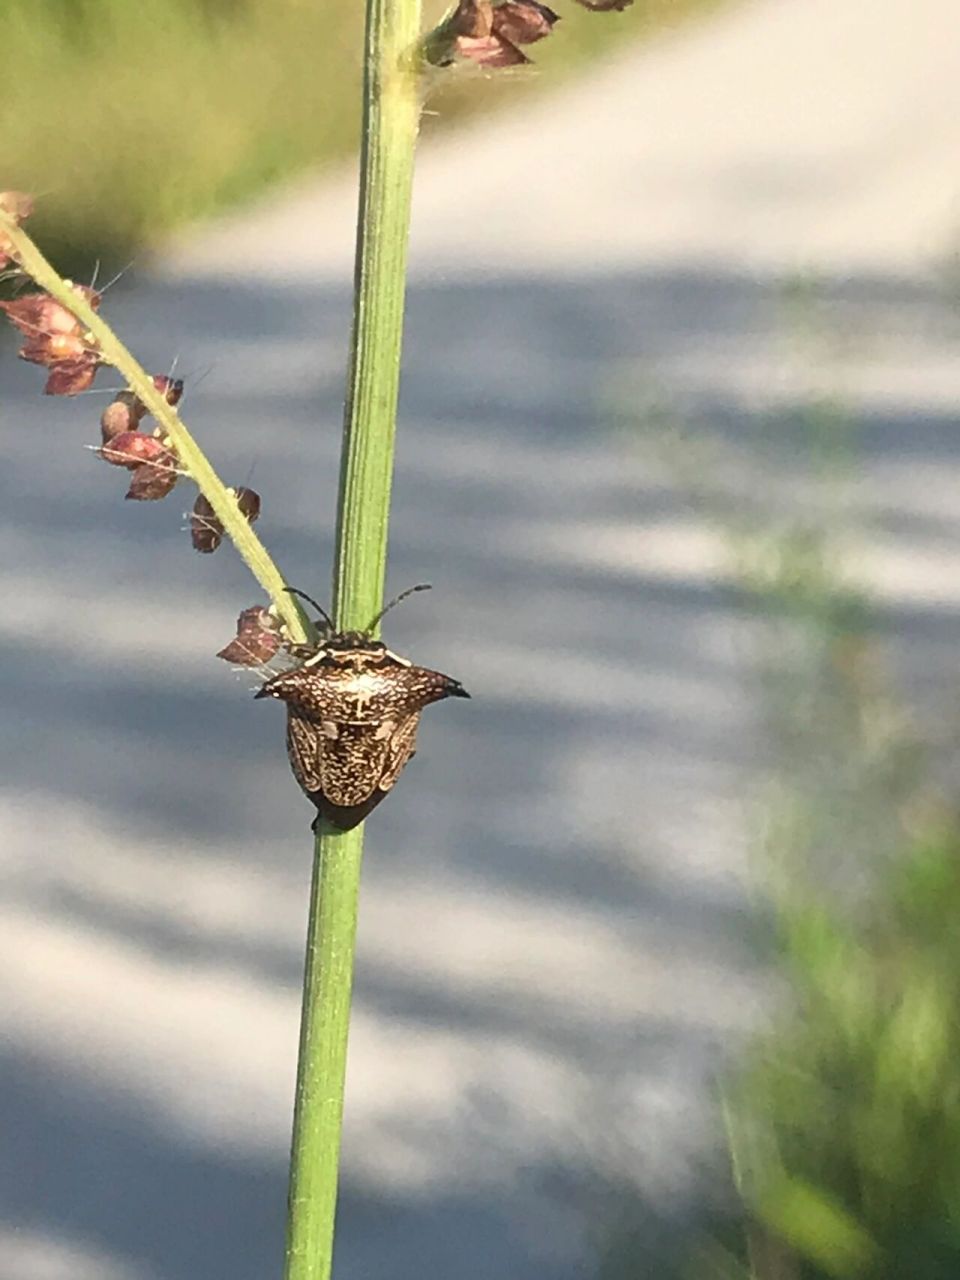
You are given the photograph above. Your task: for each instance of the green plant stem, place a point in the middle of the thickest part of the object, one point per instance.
(391, 120)
(191, 457)
(390, 123)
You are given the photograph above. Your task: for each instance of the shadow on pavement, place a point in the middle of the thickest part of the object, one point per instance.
(596, 786)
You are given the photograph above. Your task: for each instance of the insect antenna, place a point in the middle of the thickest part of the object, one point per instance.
(295, 591)
(421, 586)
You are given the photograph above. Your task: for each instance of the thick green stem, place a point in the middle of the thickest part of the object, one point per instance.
(391, 119)
(192, 458)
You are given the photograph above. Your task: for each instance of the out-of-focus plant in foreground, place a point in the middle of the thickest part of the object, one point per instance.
(842, 1116)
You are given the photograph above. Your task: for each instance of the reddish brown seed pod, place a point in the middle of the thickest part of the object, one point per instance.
(132, 449)
(469, 33)
(170, 388)
(248, 500)
(120, 415)
(127, 411)
(471, 18)
(523, 21)
(70, 377)
(154, 480)
(258, 639)
(40, 315)
(56, 339)
(490, 34)
(489, 51)
(206, 529)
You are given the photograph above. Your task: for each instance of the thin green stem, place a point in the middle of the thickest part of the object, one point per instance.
(191, 457)
(321, 1070)
(391, 120)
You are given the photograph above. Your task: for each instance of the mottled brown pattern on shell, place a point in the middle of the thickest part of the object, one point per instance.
(403, 747)
(346, 769)
(352, 717)
(352, 764)
(305, 751)
(322, 690)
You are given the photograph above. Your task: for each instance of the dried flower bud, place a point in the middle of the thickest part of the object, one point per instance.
(258, 639)
(56, 339)
(471, 18)
(170, 388)
(70, 377)
(16, 205)
(132, 449)
(37, 314)
(489, 51)
(490, 34)
(154, 480)
(119, 416)
(470, 32)
(249, 503)
(206, 529)
(523, 21)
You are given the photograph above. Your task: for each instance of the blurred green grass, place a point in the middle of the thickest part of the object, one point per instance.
(131, 119)
(842, 1112)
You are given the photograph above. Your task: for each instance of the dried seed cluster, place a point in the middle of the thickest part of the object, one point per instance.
(490, 33)
(57, 340)
(151, 458)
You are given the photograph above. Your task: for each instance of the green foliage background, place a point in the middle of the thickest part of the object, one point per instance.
(842, 1114)
(131, 118)
(844, 1118)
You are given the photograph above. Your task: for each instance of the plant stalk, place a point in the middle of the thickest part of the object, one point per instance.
(391, 113)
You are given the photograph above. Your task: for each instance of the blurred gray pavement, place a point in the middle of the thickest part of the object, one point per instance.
(557, 945)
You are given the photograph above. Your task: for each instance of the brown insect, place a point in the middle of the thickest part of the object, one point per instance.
(353, 708)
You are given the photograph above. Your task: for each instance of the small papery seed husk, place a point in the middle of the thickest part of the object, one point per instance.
(523, 21)
(117, 418)
(206, 530)
(248, 500)
(153, 481)
(70, 377)
(473, 18)
(489, 51)
(170, 388)
(132, 449)
(258, 639)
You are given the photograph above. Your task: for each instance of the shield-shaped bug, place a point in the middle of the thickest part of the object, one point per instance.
(353, 708)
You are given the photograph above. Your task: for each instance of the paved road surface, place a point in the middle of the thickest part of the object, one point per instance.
(555, 944)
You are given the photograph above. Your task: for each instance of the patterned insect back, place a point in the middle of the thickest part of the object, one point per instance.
(353, 709)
